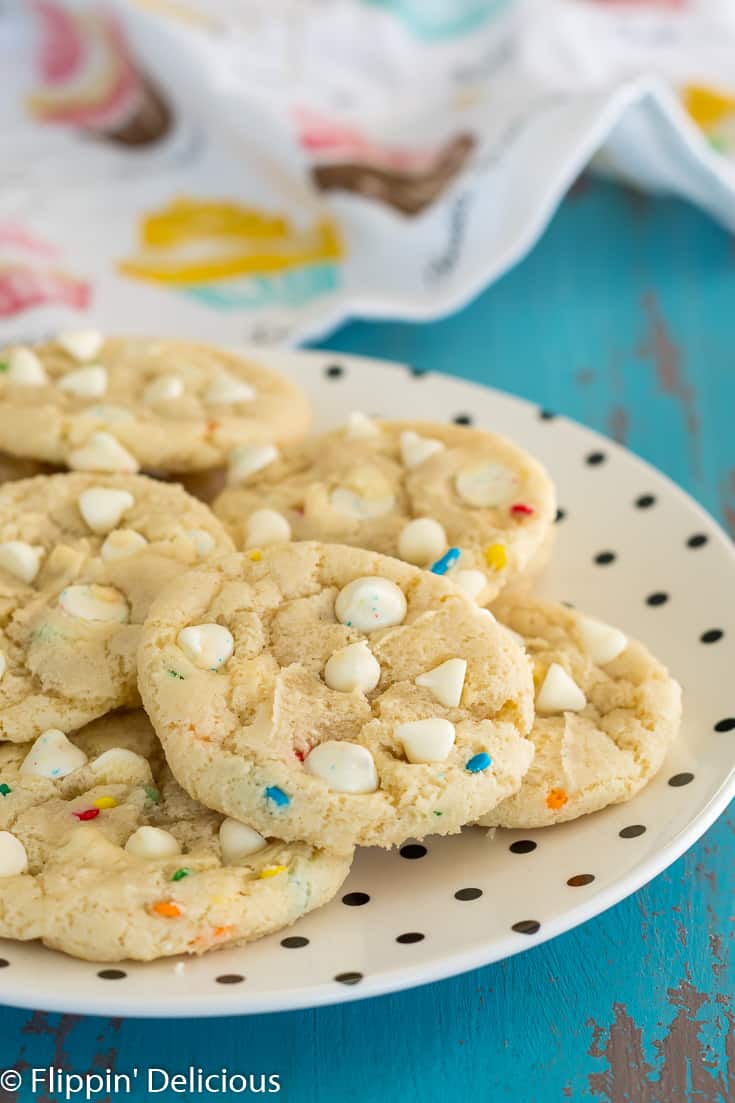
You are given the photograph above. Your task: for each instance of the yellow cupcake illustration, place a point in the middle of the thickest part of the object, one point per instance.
(220, 249)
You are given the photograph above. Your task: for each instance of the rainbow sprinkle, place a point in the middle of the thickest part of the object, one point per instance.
(478, 763)
(175, 674)
(153, 794)
(166, 909)
(521, 510)
(105, 802)
(496, 556)
(556, 799)
(180, 874)
(87, 814)
(278, 796)
(447, 560)
(271, 871)
(4, 790)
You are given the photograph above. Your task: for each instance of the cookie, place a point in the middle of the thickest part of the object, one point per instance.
(335, 695)
(123, 404)
(466, 503)
(103, 856)
(81, 558)
(606, 714)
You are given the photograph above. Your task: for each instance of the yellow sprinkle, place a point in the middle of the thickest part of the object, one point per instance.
(105, 802)
(271, 871)
(496, 556)
(256, 555)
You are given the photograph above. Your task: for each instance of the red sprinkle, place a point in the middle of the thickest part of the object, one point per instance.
(87, 814)
(301, 755)
(521, 510)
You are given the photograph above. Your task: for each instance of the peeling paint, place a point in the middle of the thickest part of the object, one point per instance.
(685, 1068)
(658, 345)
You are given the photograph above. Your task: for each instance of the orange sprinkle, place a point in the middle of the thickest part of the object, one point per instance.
(255, 555)
(166, 909)
(272, 871)
(496, 556)
(218, 932)
(105, 802)
(556, 799)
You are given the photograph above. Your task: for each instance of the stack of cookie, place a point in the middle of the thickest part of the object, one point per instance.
(204, 711)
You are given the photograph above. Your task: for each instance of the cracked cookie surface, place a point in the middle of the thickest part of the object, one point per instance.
(607, 712)
(412, 489)
(129, 403)
(333, 694)
(81, 559)
(98, 887)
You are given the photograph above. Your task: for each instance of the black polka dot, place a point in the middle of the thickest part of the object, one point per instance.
(657, 598)
(604, 558)
(546, 415)
(418, 372)
(4, 963)
(526, 926)
(409, 937)
(462, 419)
(632, 832)
(581, 879)
(698, 540)
(726, 725)
(294, 942)
(680, 779)
(712, 635)
(645, 501)
(413, 850)
(594, 459)
(111, 974)
(334, 371)
(230, 978)
(355, 899)
(560, 515)
(349, 978)
(468, 894)
(522, 846)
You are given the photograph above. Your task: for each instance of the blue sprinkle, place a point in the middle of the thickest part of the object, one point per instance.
(447, 560)
(478, 763)
(277, 796)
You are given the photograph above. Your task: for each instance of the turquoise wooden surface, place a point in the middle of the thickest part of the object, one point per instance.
(622, 318)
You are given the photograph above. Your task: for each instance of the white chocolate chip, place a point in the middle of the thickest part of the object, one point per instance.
(82, 344)
(152, 842)
(416, 449)
(426, 740)
(121, 544)
(422, 541)
(21, 559)
(360, 427)
(164, 389)
(207, 645)
(445, 682)
(25, 369)
(602, 642)
(53, 756)
(470, 581)
(245, 461)
(118, 764)
(13, 857)
(346, 767)
(85, 382)
(266, 526)
(225, 390)
(202, 540)
(238, 841)
(102, 453)
(490, 484)
(96, 603)
(352, 667)
(102, 507)
(369, 603)
(351, 504)
(559, 692)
